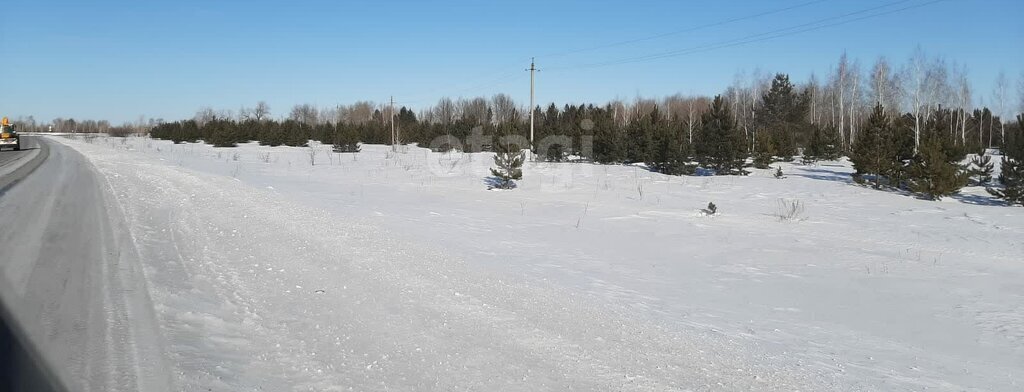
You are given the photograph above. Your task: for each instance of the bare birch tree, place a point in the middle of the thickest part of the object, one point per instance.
(642, 107)
(675, 106)
(999, 93)
(695, 106)
(1020, 92)
(855, 99)
(885, 86)
(261, 112)
(204, 115)
(475, 110)
(841, 79)
(620, 115)
(915, 74)
(445, 111)
(813, 92)
(304, 113)
(964, 96)
(504, 108)
(937, 89)
(357, 113)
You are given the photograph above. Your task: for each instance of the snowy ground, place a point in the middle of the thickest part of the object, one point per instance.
(401, 271)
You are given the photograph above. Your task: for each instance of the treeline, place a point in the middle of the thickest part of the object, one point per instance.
(891, 150)
(60, 124)
(222, 132)
(886, 156)
(896, 125)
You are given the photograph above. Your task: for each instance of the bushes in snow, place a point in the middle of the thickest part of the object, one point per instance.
(790, 210)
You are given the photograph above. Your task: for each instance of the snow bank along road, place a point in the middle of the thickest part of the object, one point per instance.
(134, 274)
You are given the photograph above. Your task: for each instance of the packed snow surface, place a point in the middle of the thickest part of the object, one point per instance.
(281, 268)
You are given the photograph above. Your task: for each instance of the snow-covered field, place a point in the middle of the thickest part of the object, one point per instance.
(401, 271)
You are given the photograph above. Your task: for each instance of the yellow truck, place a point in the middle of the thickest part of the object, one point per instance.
(8, 135)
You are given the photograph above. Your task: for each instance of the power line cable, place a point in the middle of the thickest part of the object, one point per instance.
(687, 30)
(788, 31)
(506, 76)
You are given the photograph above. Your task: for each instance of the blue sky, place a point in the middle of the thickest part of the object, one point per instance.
(120, 59)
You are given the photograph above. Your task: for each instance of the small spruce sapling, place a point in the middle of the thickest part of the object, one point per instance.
(778, 173)
(1012, 180)
(509, 162)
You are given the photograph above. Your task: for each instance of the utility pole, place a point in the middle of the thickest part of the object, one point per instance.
(532, 70)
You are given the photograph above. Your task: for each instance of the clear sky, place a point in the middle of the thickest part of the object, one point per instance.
(117, 60)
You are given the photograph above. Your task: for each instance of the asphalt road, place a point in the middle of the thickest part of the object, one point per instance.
(69, 273)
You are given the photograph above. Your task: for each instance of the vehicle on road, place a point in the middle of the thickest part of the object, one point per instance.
(9, 136)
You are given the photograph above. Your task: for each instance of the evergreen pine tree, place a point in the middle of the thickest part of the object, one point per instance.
(608, 139)
(222, 133)
(171, 131)
(815, 146)
(981, 168)
(900, 143)
(871, 153)
(508, 158)
(189, 131)
(640, 137)
(272, 134)
(323, 133)
(551, 125)
(249, 130)
(830, 144)
(932, 173)
(764, 150)
(407, 125)
(346, 138)
(1011, 178)
(1011, 175)
(670, 153)
(721, 146)
(296, 134)
(782, 113)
